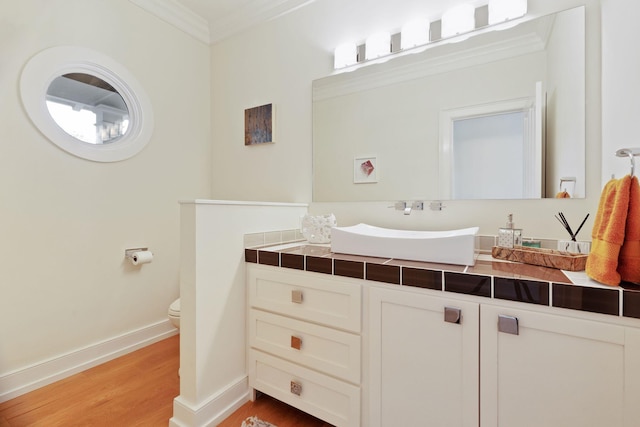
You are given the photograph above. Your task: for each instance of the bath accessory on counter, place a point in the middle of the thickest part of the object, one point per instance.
(543, 257)
(575, 247)
(563, 220)
(509, 237)
(531, 243)
(138, 256)
(317, 228)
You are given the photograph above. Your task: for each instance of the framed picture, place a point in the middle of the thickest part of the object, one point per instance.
(258, 125)
(365, 170)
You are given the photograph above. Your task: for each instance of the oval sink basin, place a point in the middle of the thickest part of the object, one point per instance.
(445, 247)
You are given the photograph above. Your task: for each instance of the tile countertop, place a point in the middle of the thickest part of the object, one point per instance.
(485, 264)
(489, 277)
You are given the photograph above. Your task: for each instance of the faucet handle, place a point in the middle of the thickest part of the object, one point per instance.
(399, 206)
(436, 205)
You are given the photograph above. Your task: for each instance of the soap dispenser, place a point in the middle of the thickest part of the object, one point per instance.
(509, 237)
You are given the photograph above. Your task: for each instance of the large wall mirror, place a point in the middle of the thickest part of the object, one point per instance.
(431, 122)
(86, 103)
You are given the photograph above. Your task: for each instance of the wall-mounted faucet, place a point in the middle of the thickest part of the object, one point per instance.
(407, 207)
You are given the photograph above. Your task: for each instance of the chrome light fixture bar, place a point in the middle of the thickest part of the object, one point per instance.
(461, 19)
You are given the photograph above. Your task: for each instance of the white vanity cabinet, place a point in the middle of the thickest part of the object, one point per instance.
(362, 353)
(541, 369)
(502, 365)
(423, 366)
(304, 338)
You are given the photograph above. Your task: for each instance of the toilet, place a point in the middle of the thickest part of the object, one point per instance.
(174, 313)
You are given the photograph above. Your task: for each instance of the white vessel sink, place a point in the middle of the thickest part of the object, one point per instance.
(445, 247)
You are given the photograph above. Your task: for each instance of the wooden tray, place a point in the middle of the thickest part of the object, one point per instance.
(544, 257)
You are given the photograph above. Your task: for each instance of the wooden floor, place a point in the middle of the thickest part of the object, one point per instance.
(134, 390)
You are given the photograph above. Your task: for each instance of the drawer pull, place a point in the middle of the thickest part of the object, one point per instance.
(296, 297)
(296, 388)
(296, 342)
(508, 324)
(452, 315)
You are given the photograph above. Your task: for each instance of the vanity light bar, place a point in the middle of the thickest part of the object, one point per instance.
(461, 19)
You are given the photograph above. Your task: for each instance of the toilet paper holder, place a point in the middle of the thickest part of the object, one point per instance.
(129, 253)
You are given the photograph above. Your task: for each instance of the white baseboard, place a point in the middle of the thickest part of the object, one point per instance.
(212, 411)
(16, 383)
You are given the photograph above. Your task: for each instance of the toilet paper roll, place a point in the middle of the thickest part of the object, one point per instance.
(141, 257)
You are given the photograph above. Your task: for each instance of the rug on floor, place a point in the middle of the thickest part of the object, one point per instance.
(256, 422)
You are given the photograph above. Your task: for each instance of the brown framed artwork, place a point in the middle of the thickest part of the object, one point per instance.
(258, 125)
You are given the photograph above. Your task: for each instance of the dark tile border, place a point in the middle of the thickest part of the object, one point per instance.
(631, 303)
(567, 296)
(595, 300)
(294, 261)
(251, 255)
(269, 258)
(529, 291)
(383, 273)
(319, 265)
(421, 278)
(354, 269)
(470, 284)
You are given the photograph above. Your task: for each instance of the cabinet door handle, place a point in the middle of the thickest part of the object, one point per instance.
(296, 388)
(296, 297)
(452, 315)
(508, 324)
(296, 342)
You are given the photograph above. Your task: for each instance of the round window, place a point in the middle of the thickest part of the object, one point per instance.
(87, 108)
(86, 103)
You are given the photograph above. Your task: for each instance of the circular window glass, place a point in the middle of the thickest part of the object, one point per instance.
(86, 103)
(87, 108)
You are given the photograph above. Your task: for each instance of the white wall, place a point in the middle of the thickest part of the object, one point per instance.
(276, 62)
(620, 85)
(65, 222)
(213, 377)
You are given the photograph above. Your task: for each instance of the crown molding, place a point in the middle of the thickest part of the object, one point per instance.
(210, 32)
(176, 14)
(252, 14)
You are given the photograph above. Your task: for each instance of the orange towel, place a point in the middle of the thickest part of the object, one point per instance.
(608, 232)
(563, 195)
(629, 261)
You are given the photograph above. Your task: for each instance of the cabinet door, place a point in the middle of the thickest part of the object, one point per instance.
(550, 370)
(423, 369)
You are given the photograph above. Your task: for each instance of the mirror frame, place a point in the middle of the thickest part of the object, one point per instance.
(51, 63)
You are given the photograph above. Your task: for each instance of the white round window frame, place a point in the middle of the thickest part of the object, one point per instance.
(51, 63)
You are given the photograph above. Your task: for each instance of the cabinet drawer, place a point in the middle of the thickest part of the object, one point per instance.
(333, 352)
(307, 297)
(327, 398)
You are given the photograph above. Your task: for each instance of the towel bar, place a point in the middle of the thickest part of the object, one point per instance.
(631, 153)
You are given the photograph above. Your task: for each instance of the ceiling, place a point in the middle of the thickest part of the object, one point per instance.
(214, 20)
